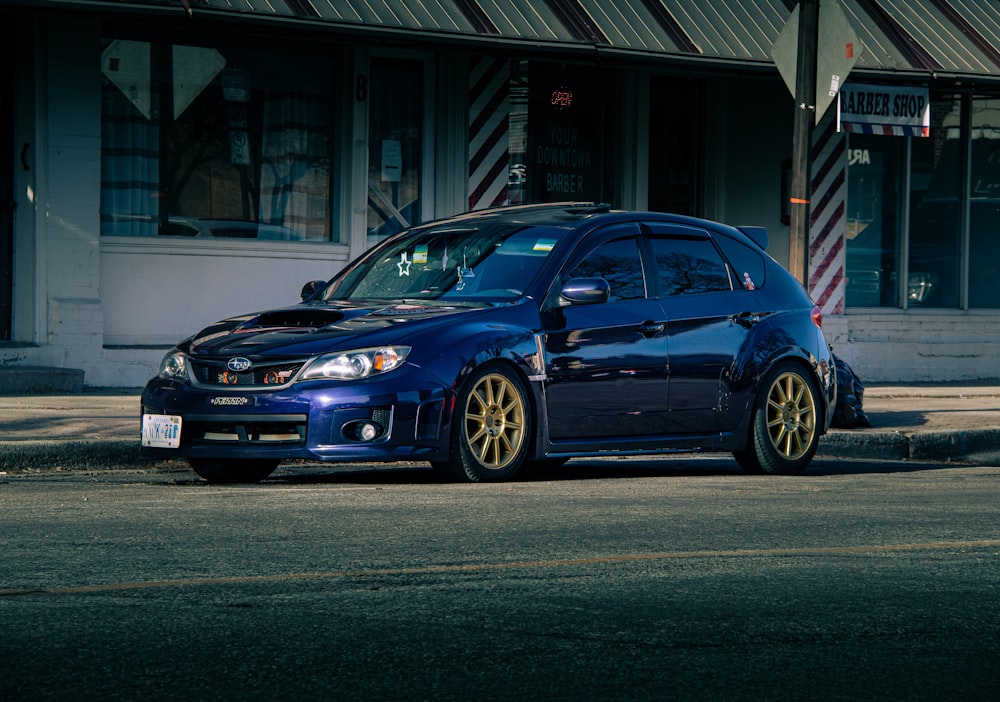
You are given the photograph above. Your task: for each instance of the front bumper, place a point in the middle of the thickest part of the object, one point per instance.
(318, 420)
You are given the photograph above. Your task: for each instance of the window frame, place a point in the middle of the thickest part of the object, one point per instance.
(162, 44)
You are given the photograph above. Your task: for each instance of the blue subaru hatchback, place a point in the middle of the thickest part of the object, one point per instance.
(509, 337)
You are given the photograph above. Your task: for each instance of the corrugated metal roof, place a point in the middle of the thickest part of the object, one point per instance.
(928, 36)
(919, 37)
(738, 30)
(523, 19)
(439, 15)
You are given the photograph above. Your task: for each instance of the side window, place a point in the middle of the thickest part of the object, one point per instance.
(687, 266)
(619, 263)
(748, 262)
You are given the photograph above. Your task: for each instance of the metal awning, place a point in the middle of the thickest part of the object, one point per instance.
(913, 38)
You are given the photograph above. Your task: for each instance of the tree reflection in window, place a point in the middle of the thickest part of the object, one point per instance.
(688, 266)
(618, 262)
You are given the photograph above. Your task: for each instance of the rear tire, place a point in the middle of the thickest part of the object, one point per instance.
(233, 471)
(784, 432)
(491, 426)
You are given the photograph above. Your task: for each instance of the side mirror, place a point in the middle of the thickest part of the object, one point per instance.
(586, 291)
(310, 288)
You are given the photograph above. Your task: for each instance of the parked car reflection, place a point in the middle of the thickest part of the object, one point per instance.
(227, 228)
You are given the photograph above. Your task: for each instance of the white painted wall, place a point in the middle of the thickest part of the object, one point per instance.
(157, 292)
(68, 186)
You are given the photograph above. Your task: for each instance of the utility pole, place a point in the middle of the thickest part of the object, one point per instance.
(805, 112)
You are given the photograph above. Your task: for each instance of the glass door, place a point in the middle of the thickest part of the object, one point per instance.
(675, 121)
(395, 145)
(875, 180)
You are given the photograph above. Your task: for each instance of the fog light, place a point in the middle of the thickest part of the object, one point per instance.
(368, 431)
(373, 426)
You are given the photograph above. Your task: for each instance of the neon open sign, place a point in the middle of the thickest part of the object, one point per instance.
(562, 98)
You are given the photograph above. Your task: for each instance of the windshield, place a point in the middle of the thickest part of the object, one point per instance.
(494, 263)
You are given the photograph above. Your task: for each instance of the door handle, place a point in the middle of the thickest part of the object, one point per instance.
(651, 329)
(747, 319)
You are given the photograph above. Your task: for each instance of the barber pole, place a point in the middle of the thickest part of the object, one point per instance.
(489, 109)
(827, 225)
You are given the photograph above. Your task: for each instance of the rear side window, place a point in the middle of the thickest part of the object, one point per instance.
(748, 262)
(689, 266)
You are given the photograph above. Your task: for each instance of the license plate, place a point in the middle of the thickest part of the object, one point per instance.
(161, 430)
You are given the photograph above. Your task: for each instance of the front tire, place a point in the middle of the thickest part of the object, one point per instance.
(784, 432)
(490, 428)
(232, 471)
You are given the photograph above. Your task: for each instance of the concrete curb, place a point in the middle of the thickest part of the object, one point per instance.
(36, 455)
(976, 445)
(881, 445)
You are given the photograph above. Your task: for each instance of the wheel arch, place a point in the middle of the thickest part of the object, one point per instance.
(809, 366)
(794, 357)
(521, 365)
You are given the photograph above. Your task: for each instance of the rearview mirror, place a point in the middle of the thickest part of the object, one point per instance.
(310, 288)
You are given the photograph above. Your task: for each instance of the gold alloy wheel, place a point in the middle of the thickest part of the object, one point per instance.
(791, 415)
(494, 421)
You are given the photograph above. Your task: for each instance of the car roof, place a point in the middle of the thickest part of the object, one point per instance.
(570, 215)
(550, 214)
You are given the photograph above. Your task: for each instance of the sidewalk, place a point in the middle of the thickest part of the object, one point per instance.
(100, 428)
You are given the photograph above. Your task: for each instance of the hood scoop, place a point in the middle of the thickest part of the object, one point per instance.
(304, 319)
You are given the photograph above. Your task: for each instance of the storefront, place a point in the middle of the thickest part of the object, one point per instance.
(173, 163)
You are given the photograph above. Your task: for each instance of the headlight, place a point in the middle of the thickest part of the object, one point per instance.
(353, 365)
(174, 366)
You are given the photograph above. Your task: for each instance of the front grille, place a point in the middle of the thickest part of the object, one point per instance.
(285, 429)
(261, 375)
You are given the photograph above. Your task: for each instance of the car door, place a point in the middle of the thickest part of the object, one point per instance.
(606, 362)
(708, 316)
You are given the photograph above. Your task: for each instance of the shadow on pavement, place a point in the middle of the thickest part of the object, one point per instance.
(589, 469)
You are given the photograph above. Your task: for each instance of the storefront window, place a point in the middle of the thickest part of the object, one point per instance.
(875, 167)
(214, 143)
(395, 146)
(566, 130)
(935, 222)
(984, 205)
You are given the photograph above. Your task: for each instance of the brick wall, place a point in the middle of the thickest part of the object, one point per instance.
(918, 346)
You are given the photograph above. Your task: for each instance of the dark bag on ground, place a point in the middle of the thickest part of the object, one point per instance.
(848, 412)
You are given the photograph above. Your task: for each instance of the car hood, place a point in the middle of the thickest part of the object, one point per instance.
(317, 327)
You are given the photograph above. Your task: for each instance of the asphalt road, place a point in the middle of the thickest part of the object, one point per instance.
(619, 579)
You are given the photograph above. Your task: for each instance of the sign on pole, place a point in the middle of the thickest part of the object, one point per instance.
(837, 50)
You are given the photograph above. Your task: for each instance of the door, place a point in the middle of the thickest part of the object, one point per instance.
(395, 146)
(705, 325)
(606, 362)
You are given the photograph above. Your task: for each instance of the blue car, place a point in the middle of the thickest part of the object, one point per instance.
(506, 338)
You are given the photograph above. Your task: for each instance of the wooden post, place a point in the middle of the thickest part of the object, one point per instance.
(805, 114)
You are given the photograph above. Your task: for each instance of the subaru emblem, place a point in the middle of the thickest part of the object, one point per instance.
(238, 364)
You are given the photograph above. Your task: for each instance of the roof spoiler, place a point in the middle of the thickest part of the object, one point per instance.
(758, 235)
